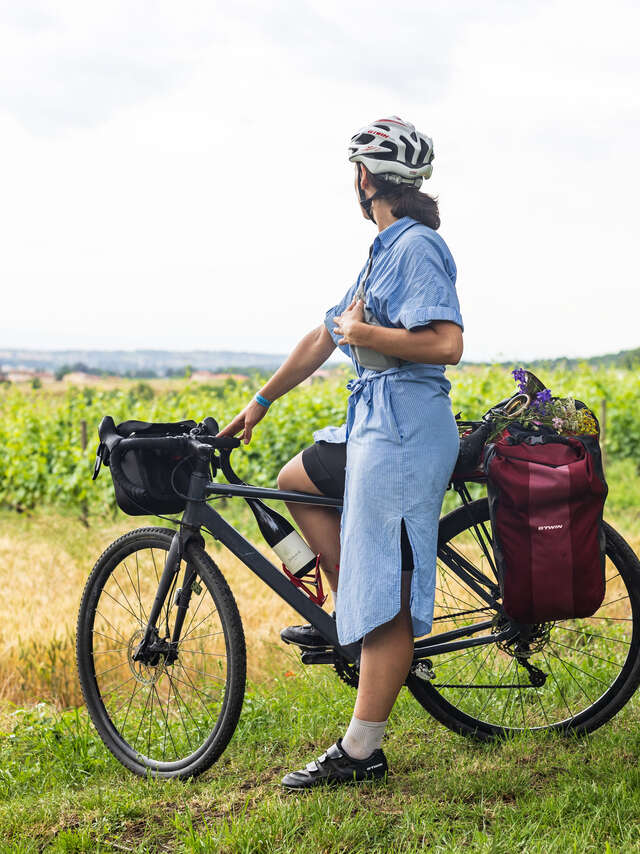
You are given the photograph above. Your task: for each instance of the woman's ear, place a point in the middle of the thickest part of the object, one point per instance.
(364, 177)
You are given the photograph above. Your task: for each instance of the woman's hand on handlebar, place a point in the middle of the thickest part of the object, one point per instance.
(245, 421)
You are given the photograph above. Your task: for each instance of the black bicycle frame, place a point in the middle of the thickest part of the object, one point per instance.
(200, 514)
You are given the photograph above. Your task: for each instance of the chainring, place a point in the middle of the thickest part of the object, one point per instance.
(348, 672)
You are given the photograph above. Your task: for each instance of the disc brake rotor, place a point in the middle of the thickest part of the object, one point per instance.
(146, 674)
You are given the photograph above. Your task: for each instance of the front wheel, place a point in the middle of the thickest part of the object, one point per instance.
(569, 675)
(171, 716)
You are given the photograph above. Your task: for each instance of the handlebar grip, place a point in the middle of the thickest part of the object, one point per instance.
(137, 492)
(225, 465)
(226, 442)
(168, 443)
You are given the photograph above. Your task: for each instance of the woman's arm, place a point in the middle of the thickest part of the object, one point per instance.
(306, 357)
(439, 343)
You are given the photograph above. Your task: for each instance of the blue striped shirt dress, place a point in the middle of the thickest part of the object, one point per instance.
(401, 437)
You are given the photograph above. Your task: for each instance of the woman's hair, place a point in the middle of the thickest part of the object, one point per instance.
(408, 201)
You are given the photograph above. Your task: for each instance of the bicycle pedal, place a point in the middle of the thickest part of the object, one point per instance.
(321, 656)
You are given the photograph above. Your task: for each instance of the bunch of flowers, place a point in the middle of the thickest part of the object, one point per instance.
(559, 414)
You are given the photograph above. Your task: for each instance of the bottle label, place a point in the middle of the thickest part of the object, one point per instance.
(294, 552)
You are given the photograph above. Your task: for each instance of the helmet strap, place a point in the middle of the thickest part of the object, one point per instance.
(366, 203)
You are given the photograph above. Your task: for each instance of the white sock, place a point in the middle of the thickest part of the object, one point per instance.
(363, 737)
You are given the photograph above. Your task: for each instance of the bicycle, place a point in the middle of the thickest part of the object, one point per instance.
(163, 674)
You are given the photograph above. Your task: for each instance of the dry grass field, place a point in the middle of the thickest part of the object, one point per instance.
(45, 559)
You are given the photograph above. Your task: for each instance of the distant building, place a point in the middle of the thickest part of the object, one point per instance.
(81, 378)
(25, 375)
(210, 376)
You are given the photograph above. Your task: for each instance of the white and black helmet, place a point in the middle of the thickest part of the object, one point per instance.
(393, 150)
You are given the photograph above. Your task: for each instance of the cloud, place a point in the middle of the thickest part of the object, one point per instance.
(79, 66)
(197, 192)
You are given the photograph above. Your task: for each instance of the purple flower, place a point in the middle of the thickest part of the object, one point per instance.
(520, 376)
(541, 400)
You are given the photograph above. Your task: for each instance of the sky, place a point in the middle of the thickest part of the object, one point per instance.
(175, 175)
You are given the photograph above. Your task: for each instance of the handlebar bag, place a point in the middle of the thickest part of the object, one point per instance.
(546, 499)
(146, 481)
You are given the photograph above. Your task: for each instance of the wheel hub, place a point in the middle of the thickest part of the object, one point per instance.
(143, 670)
(529, 640)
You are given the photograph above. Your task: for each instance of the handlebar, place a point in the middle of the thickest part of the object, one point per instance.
(185, 443)
(201, 441)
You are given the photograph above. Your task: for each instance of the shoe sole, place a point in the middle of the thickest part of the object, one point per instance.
(320, 648)
(333, 782)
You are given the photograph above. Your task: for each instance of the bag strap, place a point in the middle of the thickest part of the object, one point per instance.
(360, 291)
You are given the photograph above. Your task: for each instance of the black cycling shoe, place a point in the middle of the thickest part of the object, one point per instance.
(306, 636)
(335, 766)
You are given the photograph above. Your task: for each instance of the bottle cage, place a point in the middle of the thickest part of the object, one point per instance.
(313, 580)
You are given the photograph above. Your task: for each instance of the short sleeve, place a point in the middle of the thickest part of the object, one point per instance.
(426, 288)
(338, 309)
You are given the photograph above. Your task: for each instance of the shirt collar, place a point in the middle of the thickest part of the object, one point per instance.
(392, 232)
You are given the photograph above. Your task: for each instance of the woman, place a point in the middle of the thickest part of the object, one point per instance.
(394, 456)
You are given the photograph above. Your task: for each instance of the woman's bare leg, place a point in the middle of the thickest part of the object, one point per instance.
(387, 653)
(320, 525)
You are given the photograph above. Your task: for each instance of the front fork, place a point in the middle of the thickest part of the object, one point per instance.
(152, 646)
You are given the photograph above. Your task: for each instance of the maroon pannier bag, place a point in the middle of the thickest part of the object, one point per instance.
(546, 499)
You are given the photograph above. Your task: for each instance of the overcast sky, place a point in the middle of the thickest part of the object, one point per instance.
(174, 175)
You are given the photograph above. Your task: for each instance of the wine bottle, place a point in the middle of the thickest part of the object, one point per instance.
(283, 539)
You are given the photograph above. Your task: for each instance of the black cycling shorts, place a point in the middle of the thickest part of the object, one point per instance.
(325, 462)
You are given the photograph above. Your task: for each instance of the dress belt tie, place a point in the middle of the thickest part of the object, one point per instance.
(359, 387)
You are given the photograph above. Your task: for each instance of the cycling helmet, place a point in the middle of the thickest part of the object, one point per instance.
(394, 151)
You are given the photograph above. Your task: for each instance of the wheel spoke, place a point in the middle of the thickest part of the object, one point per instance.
(595, 635)
(572, 663)
(159, 712)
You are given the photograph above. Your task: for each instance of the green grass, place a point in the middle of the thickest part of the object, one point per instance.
(61, 790)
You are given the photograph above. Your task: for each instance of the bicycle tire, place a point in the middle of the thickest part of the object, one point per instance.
(446, 709)
(98, 700)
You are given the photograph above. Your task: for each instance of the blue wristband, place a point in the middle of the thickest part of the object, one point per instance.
(263, 401)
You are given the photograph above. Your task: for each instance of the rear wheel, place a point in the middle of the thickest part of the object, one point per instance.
(570, 675)
(167, 718)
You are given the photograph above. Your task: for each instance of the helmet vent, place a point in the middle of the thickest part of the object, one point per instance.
(424, 150)
(382, 127)
(409, 148)
(392, 150)
(364, 138)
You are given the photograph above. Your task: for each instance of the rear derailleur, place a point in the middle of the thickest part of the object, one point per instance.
(529, 640)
